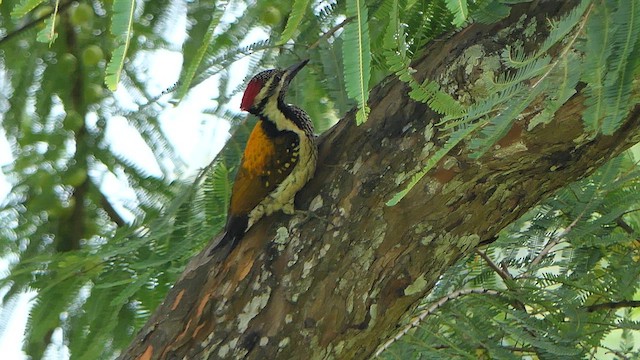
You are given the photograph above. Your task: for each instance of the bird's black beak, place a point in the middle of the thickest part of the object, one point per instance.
(293, 69)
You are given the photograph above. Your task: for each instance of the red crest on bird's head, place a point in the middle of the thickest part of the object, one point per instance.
(250, 93)
(254, 87)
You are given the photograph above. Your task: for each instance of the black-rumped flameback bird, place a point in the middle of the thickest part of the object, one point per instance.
(279, 158)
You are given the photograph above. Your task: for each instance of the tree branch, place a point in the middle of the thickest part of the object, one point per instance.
(338, 288)
(330, 32)
(430, 310)
(111, 211)
(613, 305)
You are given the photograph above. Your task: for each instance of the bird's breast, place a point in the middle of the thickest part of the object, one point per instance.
(259, 151)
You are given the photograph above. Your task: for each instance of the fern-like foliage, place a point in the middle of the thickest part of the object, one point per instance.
(357, 57)
(493, 116)
(621, 64)
(24, 7)
(48, 33)
(297, 13)
(121, 27)
(612, 57)
(574, 251)
(460, 11)
(196, 61)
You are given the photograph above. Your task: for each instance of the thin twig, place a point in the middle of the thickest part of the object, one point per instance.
(111, 211)
(624, 226)
(566, 49)
(430, 310)
(556, 239)
(505, 275)
(330, 32)
(613, 305)
(618, 353)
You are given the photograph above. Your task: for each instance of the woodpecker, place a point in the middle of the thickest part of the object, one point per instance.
(279, 158)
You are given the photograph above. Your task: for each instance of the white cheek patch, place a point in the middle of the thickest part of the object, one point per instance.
(264, 92)
(274, 114)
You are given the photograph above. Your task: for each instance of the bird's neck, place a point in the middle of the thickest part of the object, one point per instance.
(281, 115)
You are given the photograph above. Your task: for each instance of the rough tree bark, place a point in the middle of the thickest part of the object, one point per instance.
(338, 287)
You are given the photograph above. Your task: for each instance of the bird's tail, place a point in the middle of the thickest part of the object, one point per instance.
(224, 245)
(233, 232)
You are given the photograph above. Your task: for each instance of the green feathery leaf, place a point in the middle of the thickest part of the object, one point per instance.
(24, 7)
(297, 13)
(568, 80)
(357, 57)
(190, 72)
(48, 34)
(121, 28)
(456, 137)
(459, 10)
(428, 92)
(497, 127)
(492, 12)
(597, 50)
(561, 28)
(621, 64)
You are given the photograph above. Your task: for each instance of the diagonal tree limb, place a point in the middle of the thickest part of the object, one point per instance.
(339, 288)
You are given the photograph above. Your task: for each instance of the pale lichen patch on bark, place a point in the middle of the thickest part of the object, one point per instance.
(426, 240)
(530, 29)
(426, 151)
(335, 192)
(356, 165)
(264, 341)
(406, 143)
(316, 203)
(442, 251)
(467, 242)
(300, 287)
(428, 132)
(323, 251)
(452, 186)
(281, 238)
(264, 275)
(401, 177)
(252, 308)
(373, 311)
(449, 163)
(226, 348)
(479, 68)
(307, 266)
(472, 57)
(350, 300)
(284, 342)
(510, 150)
(432, 186)
(223, 351)
(417, 286)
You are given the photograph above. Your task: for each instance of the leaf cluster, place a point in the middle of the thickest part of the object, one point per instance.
(566, 277)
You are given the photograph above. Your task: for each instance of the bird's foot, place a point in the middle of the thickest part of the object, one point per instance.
(308, 216)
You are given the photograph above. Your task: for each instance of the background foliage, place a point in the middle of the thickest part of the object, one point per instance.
(563, 279)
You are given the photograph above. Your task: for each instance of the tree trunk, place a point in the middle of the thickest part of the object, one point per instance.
(338, 286)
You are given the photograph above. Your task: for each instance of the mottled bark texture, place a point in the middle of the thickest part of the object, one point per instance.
(336, 288)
